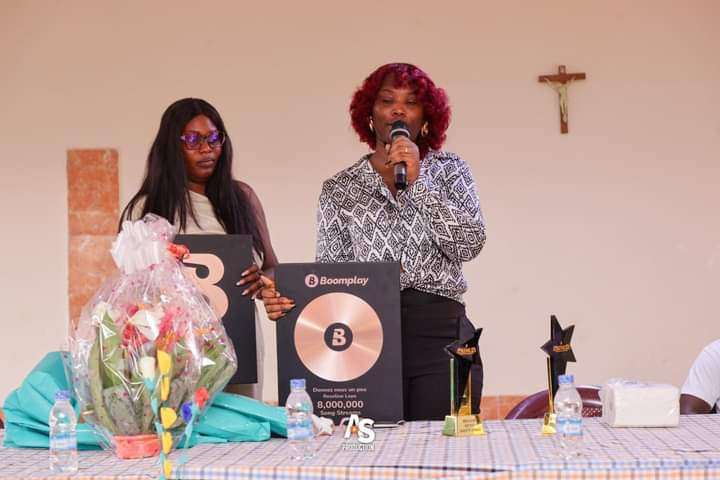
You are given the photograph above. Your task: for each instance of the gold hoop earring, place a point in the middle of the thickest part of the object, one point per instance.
(371, 125)
(425, 130)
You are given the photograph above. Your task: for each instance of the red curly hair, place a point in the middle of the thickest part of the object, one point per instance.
(434, 100)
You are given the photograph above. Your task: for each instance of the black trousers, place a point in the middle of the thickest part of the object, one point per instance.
(429, 323)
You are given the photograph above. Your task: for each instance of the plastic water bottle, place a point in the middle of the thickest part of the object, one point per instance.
(299, 427)
(568, 408)
(63, 435)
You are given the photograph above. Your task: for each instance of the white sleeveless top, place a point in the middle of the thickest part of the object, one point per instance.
(207, 221)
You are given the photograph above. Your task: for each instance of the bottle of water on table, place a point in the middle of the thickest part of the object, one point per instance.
(568, 408)
(63, 435)
(299, 427)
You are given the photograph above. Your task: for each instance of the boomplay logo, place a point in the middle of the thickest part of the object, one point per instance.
(312, 280)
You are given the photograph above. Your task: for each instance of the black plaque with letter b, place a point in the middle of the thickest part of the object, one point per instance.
(216, 263)
(343, 337)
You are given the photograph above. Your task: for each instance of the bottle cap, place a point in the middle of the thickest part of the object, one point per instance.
(62, 395)
(563, 379)
(297, 383)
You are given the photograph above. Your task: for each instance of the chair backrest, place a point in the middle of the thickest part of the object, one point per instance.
(535, 406)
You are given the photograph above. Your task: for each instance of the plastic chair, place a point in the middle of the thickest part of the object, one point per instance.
(536, 404)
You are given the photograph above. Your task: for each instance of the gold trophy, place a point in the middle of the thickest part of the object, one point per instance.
(464, 419)
(559, 354)
(550, 419)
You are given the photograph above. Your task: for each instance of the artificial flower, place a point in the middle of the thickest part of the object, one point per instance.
(187, 412)
(166, 442)
(167, 417)
(201, 396)
(132, 337)
(166, 324)
(164, 362)
(147, 367)
(148, 321)
(164, 388)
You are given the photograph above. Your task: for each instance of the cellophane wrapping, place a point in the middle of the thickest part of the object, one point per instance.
(148, 351)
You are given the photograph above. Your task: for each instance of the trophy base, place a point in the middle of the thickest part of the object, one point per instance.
(549, 424)
(463, 426)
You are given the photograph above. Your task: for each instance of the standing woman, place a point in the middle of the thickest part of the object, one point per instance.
(188, 180)
(431, 227)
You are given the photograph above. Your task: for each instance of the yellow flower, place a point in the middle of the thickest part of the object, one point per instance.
(167, 465)
(168, 417)
(164, 388)
(164, 362)
(166, 442)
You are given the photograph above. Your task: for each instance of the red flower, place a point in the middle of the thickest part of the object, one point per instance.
(201, 396)
(166, 336)
(132, 336)
(166, 324)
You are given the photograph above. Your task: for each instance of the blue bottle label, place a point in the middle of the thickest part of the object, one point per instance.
(299, 430)
(569, 426)
(63, 441)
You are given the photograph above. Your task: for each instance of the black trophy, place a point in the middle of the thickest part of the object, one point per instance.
(465, 362)
(559, 354)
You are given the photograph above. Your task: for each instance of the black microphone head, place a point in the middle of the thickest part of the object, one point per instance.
(399, 129)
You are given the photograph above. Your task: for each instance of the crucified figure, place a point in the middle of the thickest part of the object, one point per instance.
(561, 89)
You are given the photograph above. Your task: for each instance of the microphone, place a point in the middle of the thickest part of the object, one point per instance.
(400, 129)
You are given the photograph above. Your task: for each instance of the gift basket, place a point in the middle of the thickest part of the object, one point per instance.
(148, 351)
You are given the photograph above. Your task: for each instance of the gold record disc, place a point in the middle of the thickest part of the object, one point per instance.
(338, 336)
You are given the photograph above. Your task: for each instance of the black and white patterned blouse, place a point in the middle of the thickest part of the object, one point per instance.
(430, 228)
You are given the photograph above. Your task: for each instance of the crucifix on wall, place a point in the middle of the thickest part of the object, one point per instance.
(560, 84)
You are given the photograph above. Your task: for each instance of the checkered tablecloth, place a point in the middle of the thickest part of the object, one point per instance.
(511, 450)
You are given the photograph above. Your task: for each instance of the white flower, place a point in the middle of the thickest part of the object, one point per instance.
(147, 367)
(148, 322)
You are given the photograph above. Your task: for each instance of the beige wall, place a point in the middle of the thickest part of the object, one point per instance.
(614, 227)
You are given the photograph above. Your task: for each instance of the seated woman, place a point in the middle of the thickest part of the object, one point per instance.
(188, 180)
(430, 227)
(701, 391)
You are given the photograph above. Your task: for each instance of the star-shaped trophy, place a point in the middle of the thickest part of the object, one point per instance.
(464, 418)
(559, 354)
